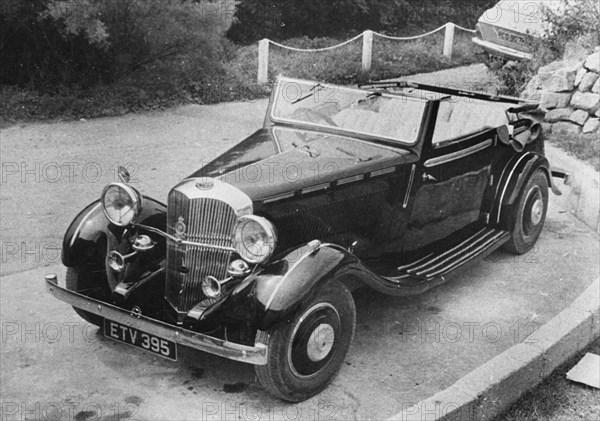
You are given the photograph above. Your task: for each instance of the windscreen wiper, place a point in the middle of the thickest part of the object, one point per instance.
(318, 87)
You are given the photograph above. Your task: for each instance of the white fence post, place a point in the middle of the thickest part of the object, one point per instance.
(367, 51)
(449, 39)
(263, 61)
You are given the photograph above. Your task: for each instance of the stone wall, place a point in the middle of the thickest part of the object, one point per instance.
(569, 91)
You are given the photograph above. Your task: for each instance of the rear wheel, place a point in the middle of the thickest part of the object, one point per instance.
(528, 215)
(78, 281)
(304, 355)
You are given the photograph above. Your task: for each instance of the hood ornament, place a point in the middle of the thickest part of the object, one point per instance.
(205, 184)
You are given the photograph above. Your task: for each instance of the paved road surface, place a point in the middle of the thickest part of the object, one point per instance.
(404, 350)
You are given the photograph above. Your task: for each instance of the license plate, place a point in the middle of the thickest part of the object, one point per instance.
(513, 38)
(139, 339)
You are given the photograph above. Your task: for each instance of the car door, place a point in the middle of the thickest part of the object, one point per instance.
(454, 171)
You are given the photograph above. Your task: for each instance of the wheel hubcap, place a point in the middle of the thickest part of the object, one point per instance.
(533, 211)
(313, 340)
(320, 342)
(536, 212)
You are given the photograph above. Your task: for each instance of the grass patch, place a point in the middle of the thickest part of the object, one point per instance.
(583, 147)
(232, 78)
(557, 398)
(390, 58)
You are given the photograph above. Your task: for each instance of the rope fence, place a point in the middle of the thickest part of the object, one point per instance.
(367, 50)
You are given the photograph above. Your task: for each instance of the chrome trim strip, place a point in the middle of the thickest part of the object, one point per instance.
(278, 197)
(351, 179)
(383, 171)
(177, 240)
(316, 188)
(506, 184)
(500, 49)
(499, 236)
(83, 220)
(249, 354)
(458, 154)
(409, 188)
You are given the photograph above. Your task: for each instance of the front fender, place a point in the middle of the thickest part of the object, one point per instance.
(91, 234)
(275, 293)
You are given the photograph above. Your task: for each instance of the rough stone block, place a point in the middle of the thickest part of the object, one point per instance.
(580, 74)
(558, 114)
(550, 100)
(593, 62)
(579, 117)
(596, 87)
(559, 76)
(565, 127)
(592, 125)
(587, 101)
(588, 81)
(533, 89)
(547, 128)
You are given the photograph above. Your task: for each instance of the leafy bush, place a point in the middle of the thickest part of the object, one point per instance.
(577, 20)
(283, 19)
(573, 30)
(82, 42)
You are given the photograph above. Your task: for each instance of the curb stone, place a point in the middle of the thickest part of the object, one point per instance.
(582, 198)
(493, 387)
(490, 389)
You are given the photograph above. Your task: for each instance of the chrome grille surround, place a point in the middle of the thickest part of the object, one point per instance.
(203, 211)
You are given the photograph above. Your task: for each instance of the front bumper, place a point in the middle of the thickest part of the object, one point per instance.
(507, 52)
(256, 355)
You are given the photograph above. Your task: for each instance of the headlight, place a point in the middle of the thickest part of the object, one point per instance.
(254, 238)
(121, 203)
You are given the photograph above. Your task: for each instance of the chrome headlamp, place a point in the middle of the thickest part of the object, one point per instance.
(254, 238)
(121, 203)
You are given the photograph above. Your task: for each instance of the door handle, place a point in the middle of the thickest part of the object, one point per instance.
(428, 177)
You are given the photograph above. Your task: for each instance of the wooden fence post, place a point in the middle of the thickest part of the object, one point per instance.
(263, 61)
(367, 51)
(449, 39)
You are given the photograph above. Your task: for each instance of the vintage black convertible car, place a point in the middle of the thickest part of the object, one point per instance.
(392, 185)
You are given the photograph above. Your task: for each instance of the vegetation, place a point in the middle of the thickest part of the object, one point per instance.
(572, 32)
(90, 58)
(283, 19)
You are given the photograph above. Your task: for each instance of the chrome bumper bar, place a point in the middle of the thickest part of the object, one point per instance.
(502, 50)
(256, 355)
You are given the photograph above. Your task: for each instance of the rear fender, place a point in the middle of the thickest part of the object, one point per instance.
(513, 180)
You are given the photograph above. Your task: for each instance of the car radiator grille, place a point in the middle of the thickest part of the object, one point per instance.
(204, 220)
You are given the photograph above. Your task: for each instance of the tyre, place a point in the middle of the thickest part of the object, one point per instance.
(527, 217)
(77, 281)
(305, 354)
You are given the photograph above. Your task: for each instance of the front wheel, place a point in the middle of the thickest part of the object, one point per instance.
(304, 355)
(528, 215)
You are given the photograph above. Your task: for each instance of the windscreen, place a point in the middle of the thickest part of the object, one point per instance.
(348, 110)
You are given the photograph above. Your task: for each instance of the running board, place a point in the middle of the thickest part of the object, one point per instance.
(437, 265)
